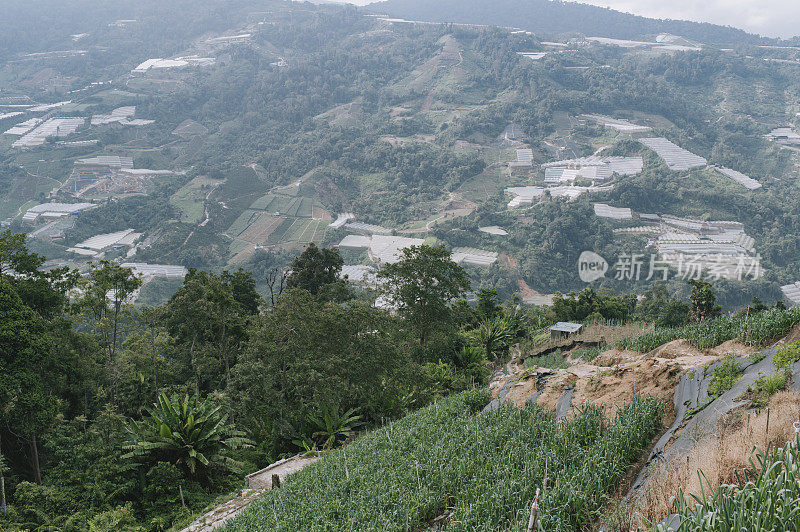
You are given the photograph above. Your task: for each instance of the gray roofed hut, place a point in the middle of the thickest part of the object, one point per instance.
(564, 329)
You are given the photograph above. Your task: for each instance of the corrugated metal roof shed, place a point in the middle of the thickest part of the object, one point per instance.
(566, 327)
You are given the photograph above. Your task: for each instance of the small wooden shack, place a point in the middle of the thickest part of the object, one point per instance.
(564, 329)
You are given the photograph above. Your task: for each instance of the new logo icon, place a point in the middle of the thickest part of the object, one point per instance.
(591, 266)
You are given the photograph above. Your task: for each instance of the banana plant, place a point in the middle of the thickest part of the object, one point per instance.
(331, 428)
(193, 435)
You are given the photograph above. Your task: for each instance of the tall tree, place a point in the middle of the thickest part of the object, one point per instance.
(423, 284)
(317, 271)
(105, 300)
(306, 353)
(206, 318)
(27, 403)
(704, 301)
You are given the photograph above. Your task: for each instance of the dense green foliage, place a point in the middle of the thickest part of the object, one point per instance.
(483, 470)
(323, 110)
(233, 386)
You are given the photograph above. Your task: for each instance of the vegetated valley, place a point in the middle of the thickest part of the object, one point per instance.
(271, 265)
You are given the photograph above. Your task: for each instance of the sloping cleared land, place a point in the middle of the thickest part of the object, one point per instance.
(474, 472)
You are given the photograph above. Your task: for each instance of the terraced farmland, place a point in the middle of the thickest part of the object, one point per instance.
(261, 228)
(303, 230)
(286, 205)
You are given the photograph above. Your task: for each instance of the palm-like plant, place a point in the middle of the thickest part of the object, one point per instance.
(331, 427)
(193, 435)
(494, 336)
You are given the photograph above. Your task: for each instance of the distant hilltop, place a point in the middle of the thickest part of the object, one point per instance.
(554, 17)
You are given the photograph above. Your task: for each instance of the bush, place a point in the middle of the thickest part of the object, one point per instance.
(787, 356)
(120, 518)
(726, 374)
(587, 353)
(554, 360)
(765, 387)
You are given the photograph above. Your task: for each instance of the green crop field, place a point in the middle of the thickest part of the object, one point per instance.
(190, 199)
(263, 203)
(756, 330)
(485, 469)
(243, 222)
(277, 236)
(301, 230)
(298, 206)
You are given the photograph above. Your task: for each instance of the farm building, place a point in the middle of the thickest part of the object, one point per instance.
(493, 230)
(614, 165)
(524, 195)
(726, 254)
(52, 128)
(679, 43)
(156, 270)
(117, 115)
(592, 168)
(54, 230)
(676, 158)
(639, 230)
(106, 161)
(568, 175)
(109, 175)
(4, 116)
(95, 245)
(512, 132)
(242, 37)
(523, 162)
(355, 242)
(564, 329)
(617, 124)
(614, 213)
(533, 56)
(23, 127)
(388, 249)
(792, 292)
(178, 62)
(784, 135)
(53, 210)
(476, 257)
(341, 220)
(746, 182)
(48, 106)
(359, 274)
(381, 248)
(368, 228)
(122, 116)
(104, 241)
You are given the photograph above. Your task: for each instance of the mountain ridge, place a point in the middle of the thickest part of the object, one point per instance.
(547, 16)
